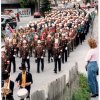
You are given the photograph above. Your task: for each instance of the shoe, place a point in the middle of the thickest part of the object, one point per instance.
(94, 95)
(97, 94)
(59, 70)
(48, 61)
(42, 70)
(55, 72)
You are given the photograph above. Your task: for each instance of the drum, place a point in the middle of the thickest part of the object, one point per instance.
(22, 93)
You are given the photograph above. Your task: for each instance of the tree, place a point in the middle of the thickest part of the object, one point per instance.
(87, 1)
(24, 3)
(33, 4)
(45, 6)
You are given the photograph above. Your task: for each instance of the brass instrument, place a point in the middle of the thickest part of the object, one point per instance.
(5, 92)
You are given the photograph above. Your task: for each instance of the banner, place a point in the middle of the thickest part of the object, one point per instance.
(24, 12)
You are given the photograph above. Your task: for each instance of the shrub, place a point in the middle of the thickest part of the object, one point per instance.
(83, 92)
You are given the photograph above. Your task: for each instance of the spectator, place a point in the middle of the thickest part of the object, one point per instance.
(9, 31)
(92, 67)
(17, 15)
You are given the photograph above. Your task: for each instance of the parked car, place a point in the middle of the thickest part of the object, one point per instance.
(37, 15)
(7, 19)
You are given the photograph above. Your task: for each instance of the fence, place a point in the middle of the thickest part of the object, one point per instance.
(58, 89)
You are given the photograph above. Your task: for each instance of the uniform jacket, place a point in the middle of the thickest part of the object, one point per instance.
(63, 44)
(56, 52)
(4, 64)
(28, 79)
(11, 51)
(24, 52)
(49, 44)
(39, 51)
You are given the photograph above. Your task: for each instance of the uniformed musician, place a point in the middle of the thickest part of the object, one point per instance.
(25, 54)
(39, 54)
(49, 45)
(57, 56)
(24, 79)
(7, 86)
(11, 53)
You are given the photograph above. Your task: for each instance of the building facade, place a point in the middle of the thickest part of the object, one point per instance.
(5, 4)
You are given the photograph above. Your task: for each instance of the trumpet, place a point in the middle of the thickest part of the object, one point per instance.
(5, 91)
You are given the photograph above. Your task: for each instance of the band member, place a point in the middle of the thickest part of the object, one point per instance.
(25, 54)
(7, 86)
(49, 45)
(78, 35)
(63, 44)
(24, 79)
(39, 54)
(57, 56)
(11, 53)
(5, 63)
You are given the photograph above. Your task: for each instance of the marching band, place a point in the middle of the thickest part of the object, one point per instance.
(50, 35)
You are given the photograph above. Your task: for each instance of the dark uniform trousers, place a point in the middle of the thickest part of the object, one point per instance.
(49, 44)
(14, 64)
(8, 98)
(64, 56)
(38, 64)
(17, 51)
(77, 39)
(39, 54)
(31, 49)
(81, 37)
(25, 60)
(11, 57)
(57, 60)
(49, 54)
(68, 50)
(64, 51)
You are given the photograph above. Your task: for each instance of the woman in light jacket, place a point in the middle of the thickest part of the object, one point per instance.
(92, 67)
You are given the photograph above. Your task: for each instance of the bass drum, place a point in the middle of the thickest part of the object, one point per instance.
(22, 93)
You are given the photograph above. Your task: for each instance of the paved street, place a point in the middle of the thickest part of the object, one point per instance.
(41, 81)
(25, 20)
